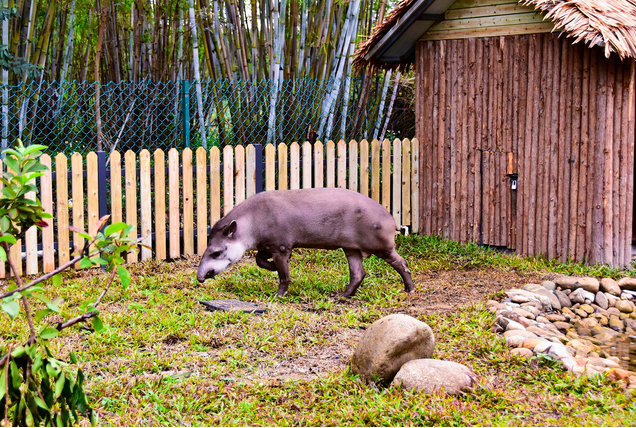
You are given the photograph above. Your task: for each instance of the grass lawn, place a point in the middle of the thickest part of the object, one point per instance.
(162, 359)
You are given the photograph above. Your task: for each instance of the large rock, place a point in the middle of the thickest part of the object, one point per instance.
(428, 376)
(601, 300)
(608, 285)
(388, 343)
(625, 306)
(580, 295)
(571, 282)
(627, 283)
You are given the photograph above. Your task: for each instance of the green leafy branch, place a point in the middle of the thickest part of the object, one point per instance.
(35, 387)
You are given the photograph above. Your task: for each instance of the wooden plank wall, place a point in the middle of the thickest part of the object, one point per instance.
(560, 116)
(155, 192)
(487, 18)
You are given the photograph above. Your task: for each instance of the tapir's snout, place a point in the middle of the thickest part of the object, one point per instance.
(202, 276)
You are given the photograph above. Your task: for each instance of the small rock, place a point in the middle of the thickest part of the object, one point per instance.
(549, 285)
(580, 346)
(580, 313)
(623, 316)
(625, 296)
(532, 306)
(587, 283)
(555, 317)
(608, 285)
(577, 296)
(514, 316)
(625, 306)
(627, 283)
(542, 320)
(564, 300)
(523, 333)
(531, 343)
(524, 313)
(520, 298)
(543, 347)
(601, 300)
(508, 324)
(613, 311)
(542, 291)
(561, 325)
(522, 352)
(590, 323)
(428, 376)
(610, 363)
(616, 324)
(587, 308)
(567, 311)
(630, 323)
(565, 291)
(390, 342)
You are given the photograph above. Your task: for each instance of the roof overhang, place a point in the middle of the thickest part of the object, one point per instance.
(398, 44)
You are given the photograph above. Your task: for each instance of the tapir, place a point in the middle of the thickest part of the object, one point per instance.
(276, 222)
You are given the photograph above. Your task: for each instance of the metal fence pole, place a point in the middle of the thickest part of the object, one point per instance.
(185, 112)
(259, 167)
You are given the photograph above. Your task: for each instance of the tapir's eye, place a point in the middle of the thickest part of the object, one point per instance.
(215, 254)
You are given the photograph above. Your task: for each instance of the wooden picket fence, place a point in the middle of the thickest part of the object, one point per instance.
(172, 203)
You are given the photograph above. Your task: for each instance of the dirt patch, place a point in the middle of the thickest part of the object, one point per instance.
(437, 293)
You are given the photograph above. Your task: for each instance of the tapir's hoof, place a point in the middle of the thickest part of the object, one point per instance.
(409, 290)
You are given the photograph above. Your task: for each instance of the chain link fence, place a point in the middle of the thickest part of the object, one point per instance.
(138, 115)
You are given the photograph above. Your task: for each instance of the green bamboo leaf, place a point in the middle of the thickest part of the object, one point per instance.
(124, 276)
(49, 333)
(59, 385)
(11, 308)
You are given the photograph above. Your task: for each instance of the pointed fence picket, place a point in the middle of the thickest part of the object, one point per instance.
(173, 199)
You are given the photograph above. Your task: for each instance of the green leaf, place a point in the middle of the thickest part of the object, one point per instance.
(85, 263)
(52, 306)
(124, 276)
(11, 308)
(114, 228)
(41, 314)
(97, 324)
(49, 333)
(18, 352)
(10, 239)
(16, 379)
(3, 254)
(57, 280)
(3, 381)
(37, 363)
(59, 385)
(73, 357)
(5, 223)
(29, 417)
(41, 403)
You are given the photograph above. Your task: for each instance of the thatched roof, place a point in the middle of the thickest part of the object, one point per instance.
(379, 31)
(607, 23)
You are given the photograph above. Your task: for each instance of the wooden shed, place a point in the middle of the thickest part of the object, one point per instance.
(525, 113)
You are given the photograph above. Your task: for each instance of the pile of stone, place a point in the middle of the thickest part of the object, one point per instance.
(397, 350)
(575, 320)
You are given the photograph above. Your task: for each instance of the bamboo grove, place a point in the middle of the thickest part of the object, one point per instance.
(281, 42)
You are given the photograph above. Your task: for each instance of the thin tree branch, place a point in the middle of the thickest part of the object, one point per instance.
(25, 303)
(88, 315)
(5, 421)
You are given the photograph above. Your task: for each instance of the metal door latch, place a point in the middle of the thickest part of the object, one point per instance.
(513, 180)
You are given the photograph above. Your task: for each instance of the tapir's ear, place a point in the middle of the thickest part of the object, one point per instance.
(230, 230)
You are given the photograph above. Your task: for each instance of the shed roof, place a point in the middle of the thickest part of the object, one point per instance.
(607, 23)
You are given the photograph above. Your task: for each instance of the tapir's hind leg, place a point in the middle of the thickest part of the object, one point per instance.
(262, 260)
(356, 271)
(281, 260)
(399, 264)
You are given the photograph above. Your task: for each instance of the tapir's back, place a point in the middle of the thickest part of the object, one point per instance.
(319, 218)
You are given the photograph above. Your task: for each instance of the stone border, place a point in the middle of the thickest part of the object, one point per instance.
(572, 319)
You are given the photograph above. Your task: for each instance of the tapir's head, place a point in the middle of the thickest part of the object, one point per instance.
(224, 249)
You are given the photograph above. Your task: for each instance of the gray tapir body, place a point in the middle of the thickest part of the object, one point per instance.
(276, 222)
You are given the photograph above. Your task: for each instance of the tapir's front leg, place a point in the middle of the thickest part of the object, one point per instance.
(262, 260)
(281, 260)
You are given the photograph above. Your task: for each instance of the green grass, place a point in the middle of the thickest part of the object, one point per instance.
(163, 360)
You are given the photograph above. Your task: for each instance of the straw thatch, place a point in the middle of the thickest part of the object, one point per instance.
(379, 31)
(607, 23)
